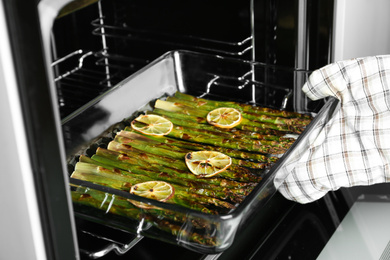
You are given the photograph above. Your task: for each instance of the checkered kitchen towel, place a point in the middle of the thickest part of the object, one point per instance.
(353, 148)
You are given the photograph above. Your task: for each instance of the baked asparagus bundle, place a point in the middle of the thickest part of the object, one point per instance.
(240, 149)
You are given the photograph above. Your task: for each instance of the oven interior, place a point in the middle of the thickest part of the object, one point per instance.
(120, 37)
(96, 47)
(99, 45)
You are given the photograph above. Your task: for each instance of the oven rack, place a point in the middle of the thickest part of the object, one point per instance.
(93, 73)
(237, 48)
(82, 75)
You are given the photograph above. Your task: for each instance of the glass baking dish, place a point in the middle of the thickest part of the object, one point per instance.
(207, 76)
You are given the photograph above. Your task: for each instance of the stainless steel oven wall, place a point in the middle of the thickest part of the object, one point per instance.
(297, 34)
(361, 29)
(308, 34)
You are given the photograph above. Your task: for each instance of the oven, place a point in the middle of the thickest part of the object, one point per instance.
(59, 59)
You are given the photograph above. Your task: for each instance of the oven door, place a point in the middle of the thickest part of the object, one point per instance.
(36, 219)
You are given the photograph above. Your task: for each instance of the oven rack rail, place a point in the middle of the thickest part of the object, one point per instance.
(118, 62)
(122, 64)
(82, 75)
(237, 48)
(95, 72)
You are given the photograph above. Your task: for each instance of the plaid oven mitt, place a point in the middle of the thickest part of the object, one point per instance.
(353, 148)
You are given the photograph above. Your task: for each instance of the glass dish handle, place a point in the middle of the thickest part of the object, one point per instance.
(119, 249)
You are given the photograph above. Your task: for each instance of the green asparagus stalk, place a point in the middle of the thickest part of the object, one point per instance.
(147, 147)
(158, 149)
(235, 195)
(194, 185)
(114, 179)
(171, 174)
(158, 157)
(194, 131)
(155, 174)
(184, 134)
(296, 123)
(197, 238)
(268, 129)
(234, 132)
(135, 156)
(244, 125)
(103, 180)
(184, 178)
(237, 189)
(235, 173)
(210, 104)
(100, 200)
(130, 133)
(122, 207)
(119, 205)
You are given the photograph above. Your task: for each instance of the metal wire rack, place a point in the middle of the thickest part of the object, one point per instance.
(174, 41)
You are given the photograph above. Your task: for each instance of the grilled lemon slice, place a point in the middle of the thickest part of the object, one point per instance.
(224, 117)
(157, 190)
(152, 125)
(207, 163)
